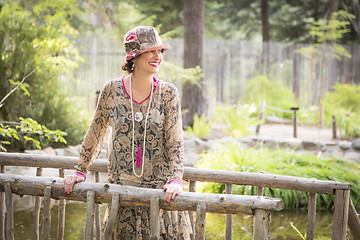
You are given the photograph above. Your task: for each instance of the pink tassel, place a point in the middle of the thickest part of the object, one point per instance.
(138, 157)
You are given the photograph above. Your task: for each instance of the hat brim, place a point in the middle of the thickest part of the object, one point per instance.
(157, 47)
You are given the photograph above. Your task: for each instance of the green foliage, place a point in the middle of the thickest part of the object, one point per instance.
(237, 119)
(28, 131)
(230, 156)
(173, 73)
(40, 39)
(273, 92)
(344, 103)
(201, 127)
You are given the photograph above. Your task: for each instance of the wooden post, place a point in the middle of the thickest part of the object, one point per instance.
(2, 209)
(295, 120)
(260, 191)
(333, 127)
(192, 188)
(200, 220)
(62, 205)
(36, 212)
(97, 214)
(229, 217)
(89, 215)
(261, 116)
(341, 212)
(9, 212)
(47, 214)
(311, 216)
(154, 218)
(354, 222)
(113, 214)
(262, 224)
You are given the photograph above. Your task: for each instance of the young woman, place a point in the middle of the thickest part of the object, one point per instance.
(146, 144)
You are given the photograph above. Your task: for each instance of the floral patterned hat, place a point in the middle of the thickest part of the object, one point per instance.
(142, 39)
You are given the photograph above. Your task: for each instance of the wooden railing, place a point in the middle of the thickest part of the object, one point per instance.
(344, 210)
(117, 195)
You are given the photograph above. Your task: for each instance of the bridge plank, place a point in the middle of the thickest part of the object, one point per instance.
(218, 203)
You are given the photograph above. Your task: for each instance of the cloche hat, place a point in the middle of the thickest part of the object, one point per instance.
(142, 39)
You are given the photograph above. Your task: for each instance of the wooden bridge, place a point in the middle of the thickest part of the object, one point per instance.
(94, 193)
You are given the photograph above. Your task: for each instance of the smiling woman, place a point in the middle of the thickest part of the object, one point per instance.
(146, 144)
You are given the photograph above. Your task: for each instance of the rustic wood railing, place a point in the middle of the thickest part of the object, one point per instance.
(117, 195)
(344, 210)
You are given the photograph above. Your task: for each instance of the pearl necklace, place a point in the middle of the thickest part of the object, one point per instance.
(142, 159)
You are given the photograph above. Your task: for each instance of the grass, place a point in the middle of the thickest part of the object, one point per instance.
(230, 156)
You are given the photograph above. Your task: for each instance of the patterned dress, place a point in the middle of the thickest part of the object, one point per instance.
(163, 148)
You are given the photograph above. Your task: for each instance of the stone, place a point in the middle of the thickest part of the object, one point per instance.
(356, 144)
(345, 145)
(292, 143)
(353, 156)
(310, 146)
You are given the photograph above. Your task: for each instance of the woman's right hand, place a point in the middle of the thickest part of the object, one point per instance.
(69, 181)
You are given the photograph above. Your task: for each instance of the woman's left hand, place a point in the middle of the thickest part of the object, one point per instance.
(172, 190)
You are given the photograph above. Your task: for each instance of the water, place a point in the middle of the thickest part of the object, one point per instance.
(215, 224)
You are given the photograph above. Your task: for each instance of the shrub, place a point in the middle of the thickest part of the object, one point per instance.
(273, 92)
(344, 103)
(230, 156)
(237, 119)
(40, 40)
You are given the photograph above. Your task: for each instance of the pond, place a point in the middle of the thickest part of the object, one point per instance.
(215, 224)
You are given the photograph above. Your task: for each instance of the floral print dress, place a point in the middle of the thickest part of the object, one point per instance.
(163, 148)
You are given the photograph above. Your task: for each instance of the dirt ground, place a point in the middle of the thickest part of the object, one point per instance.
(307, 133)
(284, 131)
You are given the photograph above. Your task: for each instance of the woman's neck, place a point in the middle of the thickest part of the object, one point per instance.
(141, 82)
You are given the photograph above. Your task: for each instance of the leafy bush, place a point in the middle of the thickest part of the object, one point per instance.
(40, 40)
(344, 103)
(273, 92)
(201, 127)
(230, 156)
(237, 119)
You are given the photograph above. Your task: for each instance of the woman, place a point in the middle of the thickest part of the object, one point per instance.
(146, 144)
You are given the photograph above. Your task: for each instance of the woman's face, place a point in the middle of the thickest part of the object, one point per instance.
(149, 62)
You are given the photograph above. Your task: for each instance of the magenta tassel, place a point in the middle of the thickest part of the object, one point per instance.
(138, 157)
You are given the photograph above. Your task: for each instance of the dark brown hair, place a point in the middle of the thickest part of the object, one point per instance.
(128, 66)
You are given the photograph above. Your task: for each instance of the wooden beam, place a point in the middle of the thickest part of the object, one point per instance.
(9, 211)
(185, 201)
(190, 174)
(36, 212)
(341, 213)
(62, 208)
(2, 209)
(47, 214)
(354, 222)
(154, 218)
(264, 180)
(262, 224)
(311, 216)
(89, 215)
(229, 216)
(192, 188)
(200, 220)
(97, 214)
(113, 215)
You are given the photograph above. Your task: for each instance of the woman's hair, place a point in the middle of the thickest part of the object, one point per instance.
(128, 66)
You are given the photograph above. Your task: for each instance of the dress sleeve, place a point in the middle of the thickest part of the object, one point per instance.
(91, 146)
(174, 139)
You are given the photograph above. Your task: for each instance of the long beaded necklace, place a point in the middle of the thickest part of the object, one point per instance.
(138, 116)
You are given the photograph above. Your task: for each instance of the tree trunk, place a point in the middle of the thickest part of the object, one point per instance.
(266, 36)
(194, 96)
(334, 6)
(358, 23)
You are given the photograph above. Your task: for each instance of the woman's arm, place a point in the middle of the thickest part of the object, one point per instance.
(174, 142)
(91, 146)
